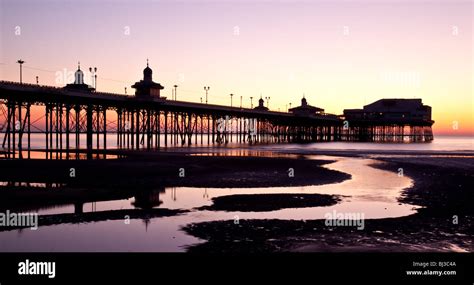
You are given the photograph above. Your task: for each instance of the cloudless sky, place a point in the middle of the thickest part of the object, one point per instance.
(340, 54)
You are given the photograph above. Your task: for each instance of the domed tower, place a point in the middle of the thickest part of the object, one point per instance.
(147, 73)
(305, 109)
(147, 88)
(261, 105)
(79, 84)
(303, 102)
(79, 75)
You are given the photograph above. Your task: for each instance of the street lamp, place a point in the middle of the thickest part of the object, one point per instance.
(251, 103)
(92, 76)
(201, 100)
(231, 95)
(175, 93)
(93, 72)
(268, 101)
(125, 90)
(21, 73)
(37, 80)
(206, 88)
(240, 101)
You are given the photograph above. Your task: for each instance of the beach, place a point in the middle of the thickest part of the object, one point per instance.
(441, 191)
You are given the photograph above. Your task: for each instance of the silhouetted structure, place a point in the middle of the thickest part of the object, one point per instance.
(305, 109)
(397, 109)
(393, 120)
(156, 122)
(261, 106)
(146, 87)
(78, 84)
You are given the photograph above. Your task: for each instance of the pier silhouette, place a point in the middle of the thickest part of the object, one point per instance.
(147, 120)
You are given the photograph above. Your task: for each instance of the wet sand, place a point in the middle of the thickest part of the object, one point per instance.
(443, 186)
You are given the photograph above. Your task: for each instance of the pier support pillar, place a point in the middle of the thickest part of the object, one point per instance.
(90, 112)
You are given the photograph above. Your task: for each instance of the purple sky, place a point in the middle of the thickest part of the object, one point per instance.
(339, 54)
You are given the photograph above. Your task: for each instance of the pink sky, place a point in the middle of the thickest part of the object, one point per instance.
(341, 54)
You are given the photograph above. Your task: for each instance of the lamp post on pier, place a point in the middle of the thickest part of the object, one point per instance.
(206, 88)
(21, 69)
(268, 101)
(93, 72)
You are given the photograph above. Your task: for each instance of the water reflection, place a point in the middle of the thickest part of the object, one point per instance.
(27, 184)
(62, 154)
(63, 198)
(371, 191)
(148, 198)
(240, 152)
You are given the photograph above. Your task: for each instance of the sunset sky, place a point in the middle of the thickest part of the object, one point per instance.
(340, 54)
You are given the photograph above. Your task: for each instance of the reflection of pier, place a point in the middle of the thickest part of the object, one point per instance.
(150, 121)
(78, 208)
(73, 218)
(148, 198)
(174, 197)
(39, 195)
(146, 201)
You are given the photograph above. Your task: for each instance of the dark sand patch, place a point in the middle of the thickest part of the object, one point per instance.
(269, 202)
(413, 233)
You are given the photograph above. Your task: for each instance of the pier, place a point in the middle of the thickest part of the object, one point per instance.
(147, 120)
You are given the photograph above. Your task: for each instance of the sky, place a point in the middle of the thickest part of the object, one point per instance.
(339, 54)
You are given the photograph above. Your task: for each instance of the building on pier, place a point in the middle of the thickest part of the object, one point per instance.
(389, 120)
(261, 106)
(78, 84)
(401, 109)
(305, 109)
(147, 88)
